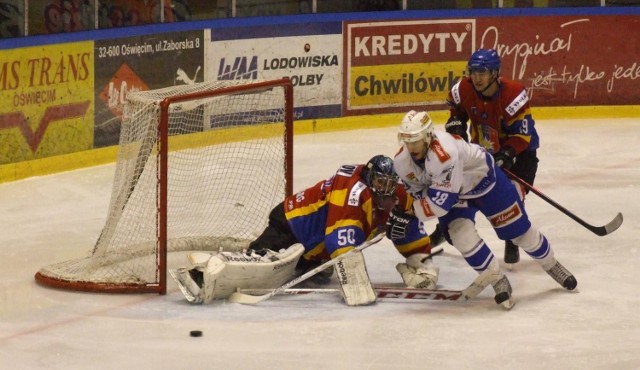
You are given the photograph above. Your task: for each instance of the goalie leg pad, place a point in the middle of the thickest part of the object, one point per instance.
(355, 285)
(189, 288)
(253, 271)
(199, 259)
(197, 283)
(214, 270)
(220, 274)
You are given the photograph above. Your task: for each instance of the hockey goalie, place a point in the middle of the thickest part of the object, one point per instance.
(324, 222)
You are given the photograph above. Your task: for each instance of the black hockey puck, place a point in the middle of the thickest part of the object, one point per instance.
(195, 333)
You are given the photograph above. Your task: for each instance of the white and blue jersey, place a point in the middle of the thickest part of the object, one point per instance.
(455, 180)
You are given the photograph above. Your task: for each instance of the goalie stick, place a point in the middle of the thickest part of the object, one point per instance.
(242, 298)
(399, 293)
(382, 293)
(607, 229)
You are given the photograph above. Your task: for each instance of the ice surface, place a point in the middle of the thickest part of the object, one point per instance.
(591, 167)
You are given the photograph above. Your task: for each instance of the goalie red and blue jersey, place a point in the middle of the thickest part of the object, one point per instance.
(338, 214)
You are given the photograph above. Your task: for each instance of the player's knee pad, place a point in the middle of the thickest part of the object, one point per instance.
(530, 240)
(463, 234)
(537, 246)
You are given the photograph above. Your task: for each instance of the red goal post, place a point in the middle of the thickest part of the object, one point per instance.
(199, 168)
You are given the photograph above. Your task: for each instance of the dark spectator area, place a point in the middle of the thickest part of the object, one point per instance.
(40, 17)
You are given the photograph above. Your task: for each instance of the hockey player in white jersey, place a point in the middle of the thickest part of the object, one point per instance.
(452, 180)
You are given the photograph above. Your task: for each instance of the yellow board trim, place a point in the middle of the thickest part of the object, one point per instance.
(95, 157)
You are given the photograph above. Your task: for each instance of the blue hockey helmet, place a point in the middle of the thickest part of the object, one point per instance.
(380, 176)
(484, 60)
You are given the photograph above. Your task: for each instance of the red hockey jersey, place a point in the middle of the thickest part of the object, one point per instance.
(501, 120)
(338, 214)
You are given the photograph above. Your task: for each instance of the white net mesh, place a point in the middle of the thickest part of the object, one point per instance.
(227, 168)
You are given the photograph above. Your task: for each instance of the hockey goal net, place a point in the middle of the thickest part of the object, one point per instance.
(199, 167)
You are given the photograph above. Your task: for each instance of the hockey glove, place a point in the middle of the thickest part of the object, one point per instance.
(456, 127)
(505, 158)
(419, 271)
(397, 224)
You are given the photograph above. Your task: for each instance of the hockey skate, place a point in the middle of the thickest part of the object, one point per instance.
(560, 274)
(503, 296)
(511, 252)
(323, 277)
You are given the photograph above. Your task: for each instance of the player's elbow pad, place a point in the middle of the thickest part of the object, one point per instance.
(425, 209)
(441, 201)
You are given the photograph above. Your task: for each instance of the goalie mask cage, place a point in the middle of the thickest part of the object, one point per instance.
(199, 167)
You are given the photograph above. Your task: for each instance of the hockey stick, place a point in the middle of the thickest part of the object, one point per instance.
(238, 297)
(436, 250)
(383, 293)
(398, 293)
(607, 229)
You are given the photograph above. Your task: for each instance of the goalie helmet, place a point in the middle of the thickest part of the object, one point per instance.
(380, 176)
(484, 60)
(415, 126)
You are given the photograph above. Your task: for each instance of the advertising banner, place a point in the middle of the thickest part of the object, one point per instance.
(46, 105)
(404, 63)
(141, 63)
(562, 60)
(569, 60)
(312, 62)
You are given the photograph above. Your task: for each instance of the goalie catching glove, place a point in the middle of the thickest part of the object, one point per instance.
(217, 275)
(419, 271)
(397, 223)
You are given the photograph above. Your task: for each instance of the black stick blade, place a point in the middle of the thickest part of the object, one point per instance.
(608, 228)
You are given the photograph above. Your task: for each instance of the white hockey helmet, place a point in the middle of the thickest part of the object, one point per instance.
(415, 126)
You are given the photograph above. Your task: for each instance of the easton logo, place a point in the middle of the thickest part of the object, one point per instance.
(51, 114)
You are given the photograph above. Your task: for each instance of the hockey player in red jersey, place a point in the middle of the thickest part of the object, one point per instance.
(499, 117)
(328, 219)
